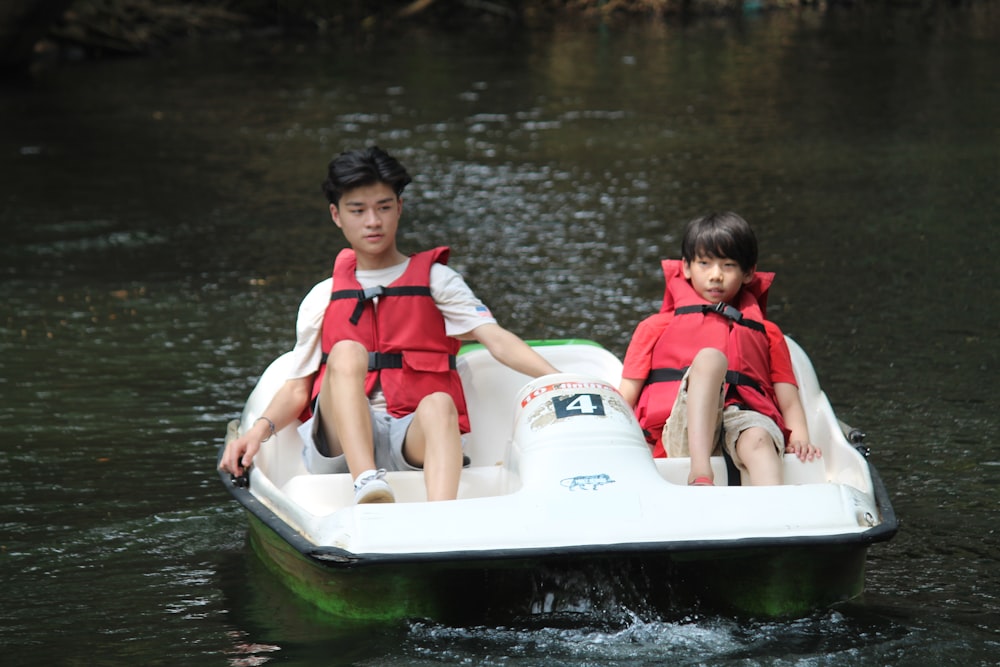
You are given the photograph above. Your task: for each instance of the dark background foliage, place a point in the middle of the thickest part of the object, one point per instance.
(33, 31)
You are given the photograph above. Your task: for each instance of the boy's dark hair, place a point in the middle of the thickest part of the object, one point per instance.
(723, 235)
(358, 168)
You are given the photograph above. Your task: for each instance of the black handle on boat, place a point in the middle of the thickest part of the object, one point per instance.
(857, 438)
(241, 481)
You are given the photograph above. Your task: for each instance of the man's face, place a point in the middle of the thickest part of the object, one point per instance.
(369, 217)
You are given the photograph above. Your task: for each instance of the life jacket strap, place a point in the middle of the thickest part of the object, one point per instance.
(365, 295)
(380, 360)
(677, 374)
(724, 309)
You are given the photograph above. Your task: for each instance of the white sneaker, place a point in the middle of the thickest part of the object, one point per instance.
(371, 487)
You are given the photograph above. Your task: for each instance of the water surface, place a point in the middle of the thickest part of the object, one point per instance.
(162, 217)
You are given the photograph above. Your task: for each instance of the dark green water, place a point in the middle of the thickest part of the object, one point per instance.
(161, 218)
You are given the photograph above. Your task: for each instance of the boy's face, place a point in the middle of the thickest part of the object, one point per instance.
(369, 217)
(716, 279)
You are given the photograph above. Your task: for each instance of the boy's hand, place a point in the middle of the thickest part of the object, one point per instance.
(806, 451)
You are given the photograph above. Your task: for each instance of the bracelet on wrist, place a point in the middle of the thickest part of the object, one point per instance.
(270, 425)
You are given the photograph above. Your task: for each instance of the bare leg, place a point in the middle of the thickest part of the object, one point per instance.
(705, 379)
(756, 450)
(345, 415)
(434, 442)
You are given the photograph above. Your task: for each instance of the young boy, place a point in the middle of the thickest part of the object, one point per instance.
(711, 334)
(373, 373)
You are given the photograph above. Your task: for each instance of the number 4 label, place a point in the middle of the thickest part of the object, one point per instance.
(578, 404)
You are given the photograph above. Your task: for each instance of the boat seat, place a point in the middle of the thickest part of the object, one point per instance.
(320, 494)
(323, 494)
(675, 470)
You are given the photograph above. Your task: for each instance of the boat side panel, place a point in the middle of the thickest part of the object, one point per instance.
(379, 594)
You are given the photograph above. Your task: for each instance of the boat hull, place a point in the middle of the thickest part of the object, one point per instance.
(769, 581)
(772, 578)
(365, 594)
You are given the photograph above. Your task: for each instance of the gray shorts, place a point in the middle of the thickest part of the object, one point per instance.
(389, 434)
(730, 423)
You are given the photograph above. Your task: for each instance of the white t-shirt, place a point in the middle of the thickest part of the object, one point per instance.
(461, 309)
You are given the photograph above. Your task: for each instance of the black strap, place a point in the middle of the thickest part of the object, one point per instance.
(725, 310)
(381, 360)
(676, 374)
(666, 375)
(369, 293)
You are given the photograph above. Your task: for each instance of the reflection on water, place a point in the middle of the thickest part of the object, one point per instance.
(852, 634)
(161, 219)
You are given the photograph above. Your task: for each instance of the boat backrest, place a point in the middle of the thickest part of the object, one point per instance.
(491, 390)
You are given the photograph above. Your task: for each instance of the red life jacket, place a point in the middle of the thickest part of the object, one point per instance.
(694, 324)
(409, 352)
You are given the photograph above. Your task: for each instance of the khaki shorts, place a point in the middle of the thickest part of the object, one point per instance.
(729, 424)
(388, 432)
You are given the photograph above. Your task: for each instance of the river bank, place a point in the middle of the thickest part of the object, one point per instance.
(52, 31)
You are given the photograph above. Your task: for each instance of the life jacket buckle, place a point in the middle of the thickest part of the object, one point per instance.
(724, 309)
(366, 294)
(370, 293)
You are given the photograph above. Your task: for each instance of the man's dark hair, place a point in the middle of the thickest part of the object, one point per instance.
(359, 168)
(723, 235)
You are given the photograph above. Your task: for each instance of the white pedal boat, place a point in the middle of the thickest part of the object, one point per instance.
(562, 490)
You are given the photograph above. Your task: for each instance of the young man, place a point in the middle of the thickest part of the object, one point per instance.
(373, 373)
(711, 334)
